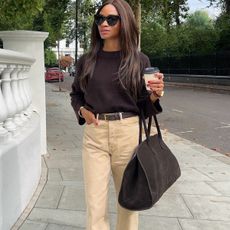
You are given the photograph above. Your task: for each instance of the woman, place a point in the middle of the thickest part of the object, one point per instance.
(108, 93)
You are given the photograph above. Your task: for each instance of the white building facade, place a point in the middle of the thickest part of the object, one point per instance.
(67, 49)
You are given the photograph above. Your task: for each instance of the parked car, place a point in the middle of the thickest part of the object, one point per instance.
(53, 74)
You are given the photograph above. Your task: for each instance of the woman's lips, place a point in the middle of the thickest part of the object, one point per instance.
(104, 31)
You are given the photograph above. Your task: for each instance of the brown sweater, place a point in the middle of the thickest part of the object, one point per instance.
(104, 93)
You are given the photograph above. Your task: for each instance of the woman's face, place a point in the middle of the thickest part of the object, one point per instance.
(106, 31)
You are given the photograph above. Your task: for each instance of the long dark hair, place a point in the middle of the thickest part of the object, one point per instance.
(129, 70)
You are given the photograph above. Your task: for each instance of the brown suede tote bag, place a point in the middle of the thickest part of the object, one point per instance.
(151, 171)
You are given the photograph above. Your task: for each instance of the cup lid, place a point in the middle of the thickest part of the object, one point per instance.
(150, 70)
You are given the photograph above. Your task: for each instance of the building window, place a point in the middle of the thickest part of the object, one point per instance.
(67, 43)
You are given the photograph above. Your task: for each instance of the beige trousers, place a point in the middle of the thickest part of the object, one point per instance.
(108, 148)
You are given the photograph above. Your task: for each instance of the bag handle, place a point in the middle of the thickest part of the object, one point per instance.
(148, 129)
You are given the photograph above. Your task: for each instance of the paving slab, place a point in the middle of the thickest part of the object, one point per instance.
(158, 223)
(196, 188)
(55, 152)
(58, 216)
(72, 174)
(224, 159)
(32, 225)
(62, 227)
(73, 198)
(54, 175)
(63, 143)
(222, 187)
(216, 173)
(197, 160)
(170, 205)
(193, 175)
(209, 207)
(79, 184)
(50, 196)
(71, 162)
(55, 131)
(52, 139)
(204, 224)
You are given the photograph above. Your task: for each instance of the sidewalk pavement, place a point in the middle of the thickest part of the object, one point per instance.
(199, 200)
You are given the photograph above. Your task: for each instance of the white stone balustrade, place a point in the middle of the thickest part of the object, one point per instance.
(32, 44)
(15, 96)
(22, 120)
(3, 110)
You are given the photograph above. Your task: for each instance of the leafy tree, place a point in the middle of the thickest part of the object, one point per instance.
(200, 19)
(171, 12)
(223, 28)
(56, 16)
(50, 58)
(86, 13)
(18, 14)
(196, 35)
(153, 39)
(180, 10)
(223, 24)
(86, 10)
(225, 4)
(53, 19)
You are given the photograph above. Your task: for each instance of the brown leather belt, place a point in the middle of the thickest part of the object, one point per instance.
(115, 116)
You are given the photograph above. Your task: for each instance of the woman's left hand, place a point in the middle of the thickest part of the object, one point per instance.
(157, 84)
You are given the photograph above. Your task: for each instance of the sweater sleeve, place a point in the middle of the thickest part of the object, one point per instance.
(144, 102)
(77, 95)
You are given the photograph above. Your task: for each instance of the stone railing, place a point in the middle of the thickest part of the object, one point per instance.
(15, 93)
(22, 121)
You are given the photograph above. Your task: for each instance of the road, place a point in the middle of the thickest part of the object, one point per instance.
(198, 115)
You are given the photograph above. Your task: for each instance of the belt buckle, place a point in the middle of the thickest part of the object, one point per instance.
(113, 114)
(105, 117)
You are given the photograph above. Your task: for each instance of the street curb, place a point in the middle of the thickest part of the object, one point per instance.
(218, 88)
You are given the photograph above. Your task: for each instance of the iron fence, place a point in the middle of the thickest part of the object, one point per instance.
(217, 64)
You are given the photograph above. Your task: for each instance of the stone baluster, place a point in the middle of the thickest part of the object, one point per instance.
(4, 134)
(26, 88)
(18, 101)
(9, 99)
(22, 93)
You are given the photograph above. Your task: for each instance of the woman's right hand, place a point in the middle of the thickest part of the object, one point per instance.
(89, 116)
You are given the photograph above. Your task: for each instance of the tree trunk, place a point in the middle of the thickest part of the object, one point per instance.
(227, 6)
(59, 64)
(76, 31)
(177, 14)
(136, 6)
(137, 13)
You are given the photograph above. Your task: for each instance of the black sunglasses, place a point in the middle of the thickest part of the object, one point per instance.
(111, 19)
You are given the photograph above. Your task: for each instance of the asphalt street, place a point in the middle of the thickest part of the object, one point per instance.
(199, 115)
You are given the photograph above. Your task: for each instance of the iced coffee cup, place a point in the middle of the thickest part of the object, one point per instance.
(149, 75)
